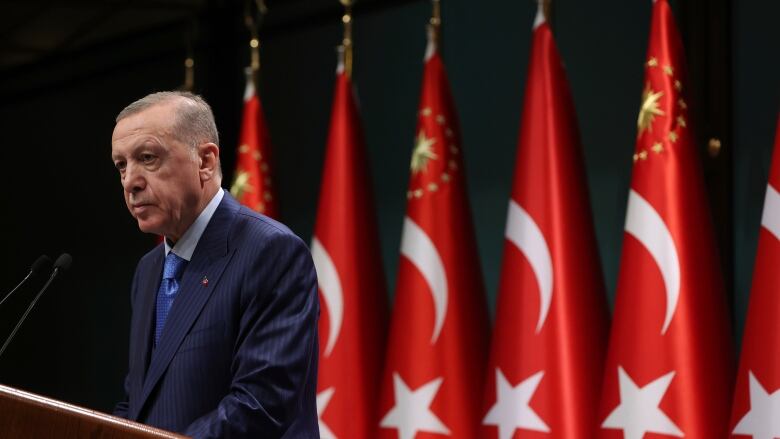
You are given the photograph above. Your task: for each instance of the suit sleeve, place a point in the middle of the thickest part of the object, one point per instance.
(274, 364)
(122, 407)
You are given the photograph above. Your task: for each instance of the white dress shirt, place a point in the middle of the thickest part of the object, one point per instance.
(185, 246)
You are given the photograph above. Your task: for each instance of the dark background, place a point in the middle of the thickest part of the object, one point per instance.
(68, 67)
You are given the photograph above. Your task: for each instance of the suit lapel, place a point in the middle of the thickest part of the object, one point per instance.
(209, 260)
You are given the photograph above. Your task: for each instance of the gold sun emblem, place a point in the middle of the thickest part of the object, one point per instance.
(240, 185)
(423, 152)
(649, 109)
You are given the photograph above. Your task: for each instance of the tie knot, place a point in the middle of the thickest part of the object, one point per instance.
(174, 266)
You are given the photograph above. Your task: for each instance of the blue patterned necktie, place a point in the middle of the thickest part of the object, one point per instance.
(174, 267)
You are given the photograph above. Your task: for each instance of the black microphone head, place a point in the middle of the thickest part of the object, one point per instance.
(63, 262)
(41, 265)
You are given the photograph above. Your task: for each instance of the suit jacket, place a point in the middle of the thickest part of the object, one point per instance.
(238, 353)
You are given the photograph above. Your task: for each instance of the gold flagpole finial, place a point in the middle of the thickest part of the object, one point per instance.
(189, 73)
(253, 21)
(346, 43)
(436, 16)
(435, 22)
(189, 61)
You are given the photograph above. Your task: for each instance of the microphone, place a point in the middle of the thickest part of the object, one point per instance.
(62, 263)
(41, 265)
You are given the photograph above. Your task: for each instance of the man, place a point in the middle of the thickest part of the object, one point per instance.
(223, 337)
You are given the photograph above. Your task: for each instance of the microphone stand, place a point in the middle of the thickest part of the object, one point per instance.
(16, 288)
(42, 263)
(29, 308)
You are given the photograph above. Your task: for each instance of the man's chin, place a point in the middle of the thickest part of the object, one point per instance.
(150, 227)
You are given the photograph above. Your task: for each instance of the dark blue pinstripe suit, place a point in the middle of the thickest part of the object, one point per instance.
(237, 357)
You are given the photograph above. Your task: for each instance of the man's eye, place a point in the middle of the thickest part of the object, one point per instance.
(120, 166)
(147, 158)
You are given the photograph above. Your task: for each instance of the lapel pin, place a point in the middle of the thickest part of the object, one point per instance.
(204, 281)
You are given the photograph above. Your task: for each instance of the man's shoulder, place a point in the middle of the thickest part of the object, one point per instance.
(269, 249)
(253, 228)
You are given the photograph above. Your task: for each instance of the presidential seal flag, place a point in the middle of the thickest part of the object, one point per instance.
(549, 339)
(669, 364)
(437, 343)
(756, 409)
(252, 184)
(346, 253)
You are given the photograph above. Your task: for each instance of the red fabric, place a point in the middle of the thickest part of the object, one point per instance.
(353, 320)
(696, 345)
(437, 204)
(253, 165)
(761, 340)
(550, 185)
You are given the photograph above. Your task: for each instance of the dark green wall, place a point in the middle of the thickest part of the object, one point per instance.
(61, 192)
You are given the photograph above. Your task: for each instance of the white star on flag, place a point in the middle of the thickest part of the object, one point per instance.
(638, 412)
(512, 410)
(412, 412)
(323, 398)
(762, 421)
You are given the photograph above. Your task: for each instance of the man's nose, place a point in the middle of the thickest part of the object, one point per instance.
(134, 180)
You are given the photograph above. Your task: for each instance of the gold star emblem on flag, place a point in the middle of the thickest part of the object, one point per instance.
(649, 109)
(423, 152)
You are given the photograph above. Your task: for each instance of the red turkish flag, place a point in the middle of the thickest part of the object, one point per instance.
(438, 332)
(756, 398)
(549, 339)
(669, 364)
(252, 180)
(346, 253)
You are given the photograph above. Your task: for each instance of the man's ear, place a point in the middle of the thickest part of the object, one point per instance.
(208, 155)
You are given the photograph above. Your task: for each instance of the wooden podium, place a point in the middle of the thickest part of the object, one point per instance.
(26, 415)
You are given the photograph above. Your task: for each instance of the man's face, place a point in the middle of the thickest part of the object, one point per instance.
(159, 173)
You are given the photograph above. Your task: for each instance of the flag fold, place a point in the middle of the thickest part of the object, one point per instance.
(756, 408)
(252, 184)
(438, 332)
(669, 363)
(346, 253)
(549, 338)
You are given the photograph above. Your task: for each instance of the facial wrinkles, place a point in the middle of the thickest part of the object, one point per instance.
(127, 143)
(147, 122)
(163, 184)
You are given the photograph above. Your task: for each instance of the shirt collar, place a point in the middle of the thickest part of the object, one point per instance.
(185, 246)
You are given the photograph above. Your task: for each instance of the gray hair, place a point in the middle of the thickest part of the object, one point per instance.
(194, 121)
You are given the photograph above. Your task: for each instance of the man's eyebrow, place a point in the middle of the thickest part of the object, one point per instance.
(148, 142)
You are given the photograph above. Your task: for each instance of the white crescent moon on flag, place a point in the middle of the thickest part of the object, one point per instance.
(770, 219)
(417, 246)
(525, 234)
(330, 286)
(646, 225)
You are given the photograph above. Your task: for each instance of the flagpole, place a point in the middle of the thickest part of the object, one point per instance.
(189, 71)
(345, 50)
(434, 23)
(253, 22)
(546, 6)
(189, 61)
